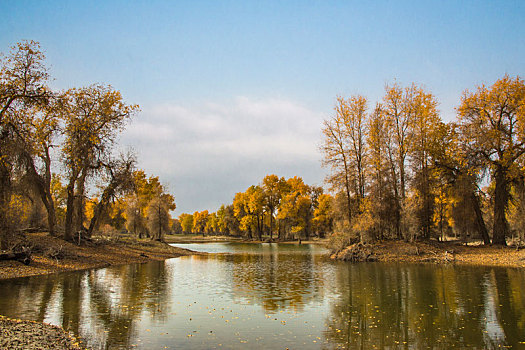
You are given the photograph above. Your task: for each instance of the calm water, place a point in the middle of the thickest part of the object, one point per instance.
(272, 296)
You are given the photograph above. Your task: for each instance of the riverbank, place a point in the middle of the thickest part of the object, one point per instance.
(212, 239)
(22, 334)
(51, 254)
(194, 238)
(433, 252)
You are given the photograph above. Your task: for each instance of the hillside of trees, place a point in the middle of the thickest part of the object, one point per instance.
(59, 165)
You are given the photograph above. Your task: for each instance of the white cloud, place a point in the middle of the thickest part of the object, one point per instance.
(221, 147)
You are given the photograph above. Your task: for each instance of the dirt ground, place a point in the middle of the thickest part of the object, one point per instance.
(434, 252)
(21, 334)
(51, 254)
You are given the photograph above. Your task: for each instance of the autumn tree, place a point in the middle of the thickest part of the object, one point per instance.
(135, 222)
(176, 226)
(147, 206)
(323, 218)
(335, 149)
(38, 134)
(248, 209)
(399, 111)
(200, 218)
(272, 188)
(425, 132)
(93, 117)
(186, 221)
(493, 122)
(296, 210)
(23, 84)
(158, 214)
(383, 204)
(459, 171)
(212, 224)
(355, 116)
(226, 221)
(118, 174)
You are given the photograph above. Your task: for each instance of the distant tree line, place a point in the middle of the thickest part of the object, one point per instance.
(277, 208)
(399, 172)
(57, 147)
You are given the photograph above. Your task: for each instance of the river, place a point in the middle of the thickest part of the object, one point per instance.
(277, 296)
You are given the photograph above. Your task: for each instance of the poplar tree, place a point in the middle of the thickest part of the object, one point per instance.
(492, 120)
(23, 85)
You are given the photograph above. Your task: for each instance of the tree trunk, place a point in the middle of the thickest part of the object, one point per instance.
(480, 222)
(81, 183)
(70, 206)
(402, 176)
(51, 214)
(271, 223)
(348, 199)
(260, 223)
(99, 209)
(23, 256)
(501, 198)
(4, 202)
(43, 186)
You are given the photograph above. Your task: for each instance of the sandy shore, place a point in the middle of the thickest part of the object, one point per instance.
(50, 255)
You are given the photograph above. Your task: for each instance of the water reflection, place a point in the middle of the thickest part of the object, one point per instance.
(427, 306)
(277, 296)
(103, 305)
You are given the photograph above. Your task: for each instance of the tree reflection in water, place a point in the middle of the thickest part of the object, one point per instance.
(422, 306)
(102, 305)
(274, 296)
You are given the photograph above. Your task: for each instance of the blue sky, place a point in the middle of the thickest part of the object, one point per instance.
(233, 90)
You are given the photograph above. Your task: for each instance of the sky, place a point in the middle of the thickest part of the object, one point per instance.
(231, 91)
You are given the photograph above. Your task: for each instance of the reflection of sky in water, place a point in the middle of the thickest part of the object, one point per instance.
(247, 248)
(494, 332)
(276, 296)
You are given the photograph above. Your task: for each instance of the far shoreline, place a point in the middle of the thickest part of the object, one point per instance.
(451, 252)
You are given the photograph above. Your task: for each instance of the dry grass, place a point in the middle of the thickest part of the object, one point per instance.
(447, 252)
